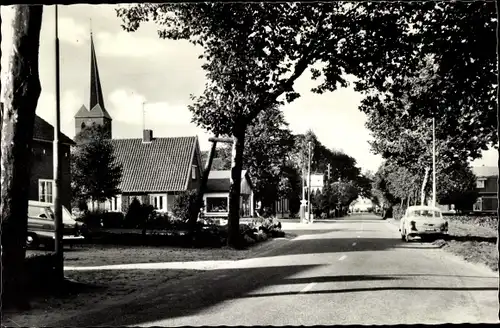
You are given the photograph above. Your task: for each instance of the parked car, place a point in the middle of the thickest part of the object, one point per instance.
(422, 221)
(41, 225)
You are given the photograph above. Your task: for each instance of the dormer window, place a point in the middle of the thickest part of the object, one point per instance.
(193, 172)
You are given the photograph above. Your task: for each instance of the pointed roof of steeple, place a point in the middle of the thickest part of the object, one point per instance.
(96, 97)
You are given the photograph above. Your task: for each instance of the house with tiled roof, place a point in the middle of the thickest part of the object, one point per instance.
(487, 187)
(216, 196)
(42, 165)
(155, 170)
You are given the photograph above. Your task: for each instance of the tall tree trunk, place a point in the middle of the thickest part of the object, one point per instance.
(424, 184)
(238, 146)
(21, 92)
(498, 181)
(203, 186)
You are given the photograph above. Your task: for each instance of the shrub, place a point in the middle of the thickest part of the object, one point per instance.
(158, 220)
(112, 219)
(397, 212)
(184, 205)
(92, 219)
(137, 215)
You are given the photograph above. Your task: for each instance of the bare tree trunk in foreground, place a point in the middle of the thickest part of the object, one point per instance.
(424, 183)
(238, 146)
(21, 92)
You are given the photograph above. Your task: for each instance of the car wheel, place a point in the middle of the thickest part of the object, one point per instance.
(407, 237)
(32, 241)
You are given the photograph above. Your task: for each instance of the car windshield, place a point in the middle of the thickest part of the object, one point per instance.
(425, 213)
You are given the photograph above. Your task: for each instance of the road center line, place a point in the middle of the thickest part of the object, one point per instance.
(308, 287)
(343, 257)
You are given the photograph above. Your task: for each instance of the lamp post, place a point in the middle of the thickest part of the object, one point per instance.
(433, 162)
(309, 187)
(57, 167)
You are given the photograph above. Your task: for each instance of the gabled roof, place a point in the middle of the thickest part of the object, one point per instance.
(163, 165)
(220, 180)
(485, 171)
(83, 112)
(44, 131)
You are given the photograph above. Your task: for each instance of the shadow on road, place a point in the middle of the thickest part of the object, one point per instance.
(318, 245)
(374, 289)
(194, 294)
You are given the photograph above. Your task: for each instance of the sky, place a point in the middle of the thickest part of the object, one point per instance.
(140, 67)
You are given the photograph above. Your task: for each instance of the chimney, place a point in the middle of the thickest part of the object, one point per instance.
(147, 135)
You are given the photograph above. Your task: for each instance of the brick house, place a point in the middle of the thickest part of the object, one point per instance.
(487, 187)
(42, 165)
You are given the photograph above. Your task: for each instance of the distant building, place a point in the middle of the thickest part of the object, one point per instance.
(361, 205)
(155, 170)
(487, 187)
(317, 182)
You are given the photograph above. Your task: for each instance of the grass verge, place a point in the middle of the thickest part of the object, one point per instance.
(91, 288)
(476, 244)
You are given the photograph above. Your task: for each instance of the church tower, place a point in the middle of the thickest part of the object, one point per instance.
(97, 112)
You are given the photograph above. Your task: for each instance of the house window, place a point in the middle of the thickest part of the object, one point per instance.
(478, 205)
(217, 204)
(480, 183)
(116, 204)
(159, 202)
(45, 190)
(193, 172)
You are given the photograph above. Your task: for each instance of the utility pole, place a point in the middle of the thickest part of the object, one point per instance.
(338, 201)
(433, 162)
(57, 168)
(309, 187)
(303, 202)
(328, 173)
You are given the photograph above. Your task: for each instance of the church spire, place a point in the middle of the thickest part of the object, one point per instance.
(96, 97)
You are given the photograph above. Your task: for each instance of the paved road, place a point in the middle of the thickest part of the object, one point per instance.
(353, 271)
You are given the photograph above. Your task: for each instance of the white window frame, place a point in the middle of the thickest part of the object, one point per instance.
(193, 172)
(115, 204)
(217, 197)
(159, 202)
(479, 204)
(480, 183)
(48, 197)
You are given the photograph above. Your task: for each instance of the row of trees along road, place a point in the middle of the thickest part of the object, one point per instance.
(277, 160)
(254, 52)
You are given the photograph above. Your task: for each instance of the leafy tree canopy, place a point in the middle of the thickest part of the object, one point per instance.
(95, 173)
